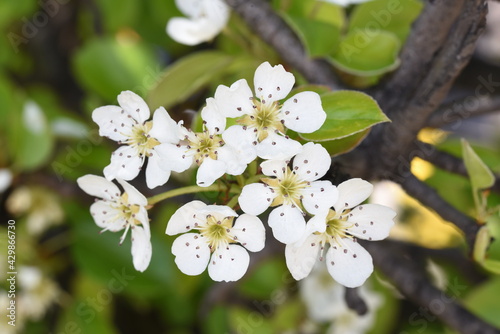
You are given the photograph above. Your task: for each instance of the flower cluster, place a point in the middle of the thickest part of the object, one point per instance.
(314, 218)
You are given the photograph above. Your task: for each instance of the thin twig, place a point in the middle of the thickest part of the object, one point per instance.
(431, 199)
(266, 23)
(455, 112)
(411, 281)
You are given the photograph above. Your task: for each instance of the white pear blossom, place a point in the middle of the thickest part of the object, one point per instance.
(325, 301)
(205, 20)
(265, 117)
(293, 191)
(346, 260)
(115, 211)
(5, 179)
(128, 124)
(214, 150)
(218, 242)
(345, 3)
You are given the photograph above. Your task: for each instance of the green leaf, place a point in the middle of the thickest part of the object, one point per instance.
(483, 239)
(480, 175)
(367, 55)
(108, 66)
(484, 302)
(319, 38)
(347, 113)
(313, 10)
(186, 76)
(346, 144)
(395, 16)
(32, 141)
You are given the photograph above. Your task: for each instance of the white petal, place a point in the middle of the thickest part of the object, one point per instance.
(214, 120)
(125, 164)
(255, 198)
(272, 83)
(371, 221)
(164, 129)
(5, 179)
(192, 8)
(228, 264)
(234, 161)
(209, 171)
(184, 218)
(155, 174)
(351, 193)
(250, 232)
(303, 112)
(142, 217)
(192, 31)
(141, 248)
(278, 147)
(134, 196)
(134, 105)
(317, 223)
(313, 162)
(274, 168)
(287, 223)
(350, 265)
(234, 101)
(191, 253)
(301, 256)
(113, 122)
(107, 217)
(219, 211)
(241, 140)
(173, 157)
(98, 186)
(319, 197)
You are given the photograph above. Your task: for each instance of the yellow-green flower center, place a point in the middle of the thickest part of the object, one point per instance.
(141, 140)
(128, 211)
(336, 225)
(264, 119)
(204, 145)
(217, 231)
(288, 188)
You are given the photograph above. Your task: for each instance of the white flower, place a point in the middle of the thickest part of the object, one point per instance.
(37, 292)
(291, 190)
(219, 243)
(128, 124)
(206, 19)
(264, 117)
(347, 261)
(5, 179)
(345, 3)
(115, 212)
(216, 151)
(325, 301)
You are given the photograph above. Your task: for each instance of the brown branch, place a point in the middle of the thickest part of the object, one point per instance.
(454, 113)
(447, 162)
(411, 281)
(264, 21)
(422, 82)
(431, 199)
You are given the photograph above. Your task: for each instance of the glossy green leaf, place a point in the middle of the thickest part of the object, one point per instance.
(186, 76)
(32, 140)
(348, 112)
(366, 54)
(108, 66)
(484, 302)
(313, 10)
(480, 175)
(395, 16)
(319, 38)
(483, 239)
(346, 144)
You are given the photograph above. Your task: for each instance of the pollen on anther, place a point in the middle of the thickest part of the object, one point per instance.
(364, 231)
(332, 263)
(187, 244)
(282, 214)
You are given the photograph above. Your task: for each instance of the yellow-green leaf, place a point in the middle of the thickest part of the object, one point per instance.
(480, 175)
